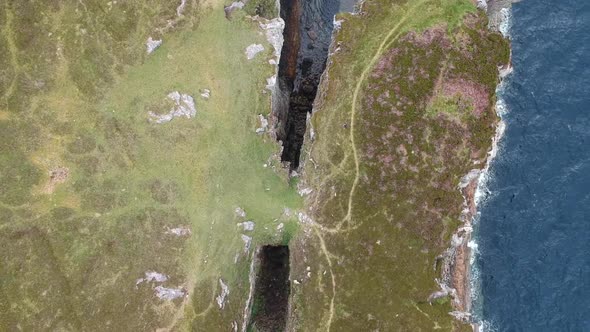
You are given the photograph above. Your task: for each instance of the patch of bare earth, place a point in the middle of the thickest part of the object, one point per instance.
(56, 176)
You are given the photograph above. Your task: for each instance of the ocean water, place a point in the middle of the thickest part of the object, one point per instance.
(533, 233)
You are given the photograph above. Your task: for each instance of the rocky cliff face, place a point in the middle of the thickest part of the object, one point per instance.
(307, 38)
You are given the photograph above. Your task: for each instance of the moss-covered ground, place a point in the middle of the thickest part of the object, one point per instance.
(405, 110)
(90, 190)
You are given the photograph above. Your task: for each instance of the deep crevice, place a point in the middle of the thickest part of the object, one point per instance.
(308, 33)
(272, 289)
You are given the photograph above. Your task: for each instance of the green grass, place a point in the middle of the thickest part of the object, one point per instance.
(72, 256)
(443, 104)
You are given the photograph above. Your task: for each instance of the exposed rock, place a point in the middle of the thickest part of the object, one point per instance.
(179, 231)
(224, 293)
(305, 191)
(184, 106)
(205, 93)
(304, 218)
(247, 225)
(164, 293)
(152, 276)
(230, 9)
(247, 242)
(467, 179)
(461, 315)
(274, 34)
(180, 8)
(271, 82)
(287, 212)
(505, 70)
(445, 291)
(252, 50)
(437, 295)
(482, 4)
(456, 240)
(152, 44)
(240, 212)
(263, 124)
(500, 17)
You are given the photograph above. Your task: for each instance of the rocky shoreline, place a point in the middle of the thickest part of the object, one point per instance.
(407, 211)
(458, 258)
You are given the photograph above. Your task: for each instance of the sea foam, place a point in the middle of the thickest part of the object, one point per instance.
(482, 192)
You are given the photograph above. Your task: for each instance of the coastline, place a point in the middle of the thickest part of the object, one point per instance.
(323, 221)
(460, 256)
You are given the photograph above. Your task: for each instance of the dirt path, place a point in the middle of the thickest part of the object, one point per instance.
(395, 32)
(355, 96)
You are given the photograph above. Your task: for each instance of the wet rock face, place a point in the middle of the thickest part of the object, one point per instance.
(307, 39)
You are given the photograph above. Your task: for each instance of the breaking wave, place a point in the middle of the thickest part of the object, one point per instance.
(482, 192)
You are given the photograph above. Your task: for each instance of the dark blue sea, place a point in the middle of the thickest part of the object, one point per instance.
(534, 230)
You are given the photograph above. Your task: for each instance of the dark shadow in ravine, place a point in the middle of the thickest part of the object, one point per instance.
(308, 32)
(271, 294)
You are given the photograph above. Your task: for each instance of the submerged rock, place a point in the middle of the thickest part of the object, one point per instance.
(184, 106)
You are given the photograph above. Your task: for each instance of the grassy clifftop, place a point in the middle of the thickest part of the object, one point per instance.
(405, 111)
(93, 195)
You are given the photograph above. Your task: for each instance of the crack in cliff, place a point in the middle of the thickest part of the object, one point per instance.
(307, 34)
(270, 300)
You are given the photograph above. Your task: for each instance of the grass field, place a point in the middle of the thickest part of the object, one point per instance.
(76, 87)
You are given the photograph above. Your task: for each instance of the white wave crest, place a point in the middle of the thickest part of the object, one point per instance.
(505, 22)
(486, 326)
(482, 192)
